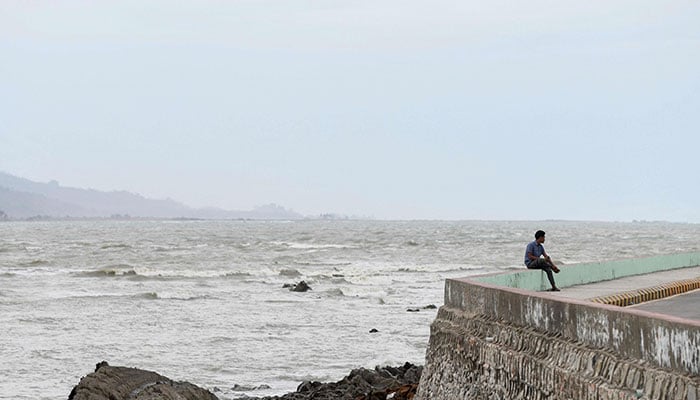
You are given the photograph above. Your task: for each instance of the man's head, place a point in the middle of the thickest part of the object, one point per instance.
(539, 236)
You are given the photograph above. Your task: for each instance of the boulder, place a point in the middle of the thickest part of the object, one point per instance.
(122, 383)
(397, 383)
(301, 287)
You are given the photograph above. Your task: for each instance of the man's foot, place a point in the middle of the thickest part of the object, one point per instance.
(555, 269)
(554, 289)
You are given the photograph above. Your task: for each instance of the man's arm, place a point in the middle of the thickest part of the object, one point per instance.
(549, 260)
(530, 250)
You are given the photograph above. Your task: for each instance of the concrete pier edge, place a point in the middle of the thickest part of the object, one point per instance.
(494, 338)
(580, 274)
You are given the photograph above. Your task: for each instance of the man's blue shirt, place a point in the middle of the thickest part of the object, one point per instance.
(535, 248)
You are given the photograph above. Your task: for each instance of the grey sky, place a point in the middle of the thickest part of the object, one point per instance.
(392, 109)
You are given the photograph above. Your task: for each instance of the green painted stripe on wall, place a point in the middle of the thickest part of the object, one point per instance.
(579, 274)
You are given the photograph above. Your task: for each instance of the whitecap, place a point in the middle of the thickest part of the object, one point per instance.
(115, 246)
(106, 273)
(236, 275)
(289, 272)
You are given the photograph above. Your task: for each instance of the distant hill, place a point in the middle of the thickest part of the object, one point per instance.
(21, 199)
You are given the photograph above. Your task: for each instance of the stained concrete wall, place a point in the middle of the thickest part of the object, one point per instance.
(497, 342)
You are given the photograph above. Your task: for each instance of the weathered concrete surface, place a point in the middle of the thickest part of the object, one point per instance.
(629, 283)
(665, 341)
(491, 342)
(121, 383)
(473, 357)
(684, 306)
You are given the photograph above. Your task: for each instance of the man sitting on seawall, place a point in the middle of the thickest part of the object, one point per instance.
(534, 259)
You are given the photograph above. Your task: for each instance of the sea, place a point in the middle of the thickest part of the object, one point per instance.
(205, 302)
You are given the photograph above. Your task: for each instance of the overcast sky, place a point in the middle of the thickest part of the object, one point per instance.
(398, 109)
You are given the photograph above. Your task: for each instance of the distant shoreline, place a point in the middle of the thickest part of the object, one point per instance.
(45, 218)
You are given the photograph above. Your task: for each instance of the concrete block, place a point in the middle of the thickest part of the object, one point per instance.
(692, 392)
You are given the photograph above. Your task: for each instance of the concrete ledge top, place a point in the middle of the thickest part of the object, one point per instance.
(587, 273)
(628, 283)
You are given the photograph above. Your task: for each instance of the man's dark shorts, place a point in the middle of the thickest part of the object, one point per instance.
(540, 263)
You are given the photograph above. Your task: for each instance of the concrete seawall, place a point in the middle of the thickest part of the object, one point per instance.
(498, 338)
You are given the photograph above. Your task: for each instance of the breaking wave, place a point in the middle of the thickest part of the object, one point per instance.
(115, 246)
(106, 273)
(289, 272)
(34, 263)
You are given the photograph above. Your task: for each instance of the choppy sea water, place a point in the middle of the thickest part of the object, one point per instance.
(203, 301)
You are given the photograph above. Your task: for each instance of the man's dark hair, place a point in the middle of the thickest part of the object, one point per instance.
(539, 234)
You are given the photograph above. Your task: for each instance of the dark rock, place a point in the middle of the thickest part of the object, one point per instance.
(398, 383)
(430, 307)
(288, 285)
(244, 388)
(100, 365)
(308, 386)
(122, 383)
(413, 310)
(301, 287)
(373, 330)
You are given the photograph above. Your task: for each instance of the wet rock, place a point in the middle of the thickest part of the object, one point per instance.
(122, 383)
(405, 392)
(301, 287)
(428, 307)
(308, 386)
(396, 383)
(242, 388)
(245, 388)
(373, 330)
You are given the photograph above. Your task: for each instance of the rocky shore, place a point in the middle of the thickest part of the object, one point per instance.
(381, 383)
(123, 383)
(116, 383)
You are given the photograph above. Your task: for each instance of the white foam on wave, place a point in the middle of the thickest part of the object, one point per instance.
(312, 246)
(108, 271)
